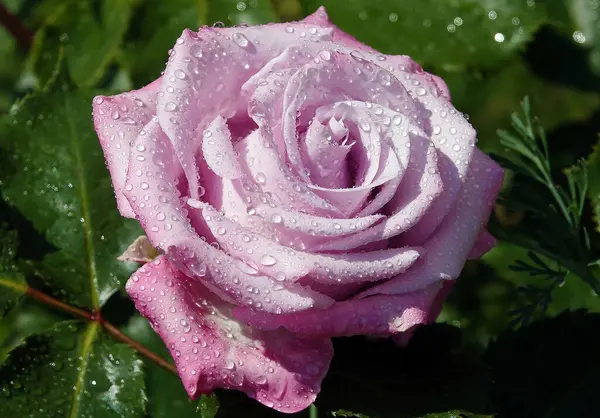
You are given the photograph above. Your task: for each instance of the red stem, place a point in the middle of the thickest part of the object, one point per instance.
(17, 29)
(110, 328)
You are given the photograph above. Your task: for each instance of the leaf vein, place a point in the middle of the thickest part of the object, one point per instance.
(86, 346)
(87, 219)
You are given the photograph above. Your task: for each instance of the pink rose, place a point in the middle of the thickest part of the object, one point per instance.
(299, 186)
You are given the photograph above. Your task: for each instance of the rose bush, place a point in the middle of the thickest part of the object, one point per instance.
(299, 186)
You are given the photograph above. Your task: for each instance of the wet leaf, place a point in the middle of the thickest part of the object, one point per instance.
(490, 100)
(91, 32)
(450, 34)
(12, 282)
(11, 64)
(72, 370)
(593, 165)
(25, 319)
(60, 183)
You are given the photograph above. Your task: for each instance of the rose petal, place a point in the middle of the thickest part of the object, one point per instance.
(218, 151)
(305, 226)
(320, 17)
(484, 242)
(287, 265)
(420, 187)
(118, 120)
(455, 140)
(452, 135)
(324, 149)
(205, 73)
(448, 249)
(335, 78)
(213, 350)
(370, 316)
(152, 193)
(264, 164)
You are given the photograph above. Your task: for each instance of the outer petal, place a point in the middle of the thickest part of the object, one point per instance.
(371, 316)
(485, 242)
(213, 350)
(319, 17)
(448, 249)
(118, 120)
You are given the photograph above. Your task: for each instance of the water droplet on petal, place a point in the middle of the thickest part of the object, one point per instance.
(240, 40)
(170, 107)
(268, 260)
(261, 178)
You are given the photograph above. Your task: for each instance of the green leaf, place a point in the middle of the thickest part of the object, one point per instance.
(208, 406)
(344, 413)
(91, 32)
(61, 184)
(11, 64)
(586, 26)
(75, 371)
(593, 166)
(27, 318)
(549, 369)
(156, 28)
(378, 379)
(159, 24)
(45, 56)
(12, 282)
(450, 34)
(167, 397)
(489, 101)
(235, 12)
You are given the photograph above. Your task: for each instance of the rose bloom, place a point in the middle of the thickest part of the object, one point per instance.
(298, 186)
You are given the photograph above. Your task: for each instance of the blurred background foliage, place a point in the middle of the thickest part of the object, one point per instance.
(491, 53)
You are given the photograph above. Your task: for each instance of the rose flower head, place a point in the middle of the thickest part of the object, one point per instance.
(298, 185)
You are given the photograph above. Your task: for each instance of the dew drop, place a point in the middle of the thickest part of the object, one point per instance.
(268, 260)
(261, 178)
(196, 51)
(240, 40)
(170, 107)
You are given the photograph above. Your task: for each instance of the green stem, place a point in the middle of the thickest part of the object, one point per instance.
(313, 412)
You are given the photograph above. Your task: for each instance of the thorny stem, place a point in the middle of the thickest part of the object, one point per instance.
(95, 316)
(17, 29)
